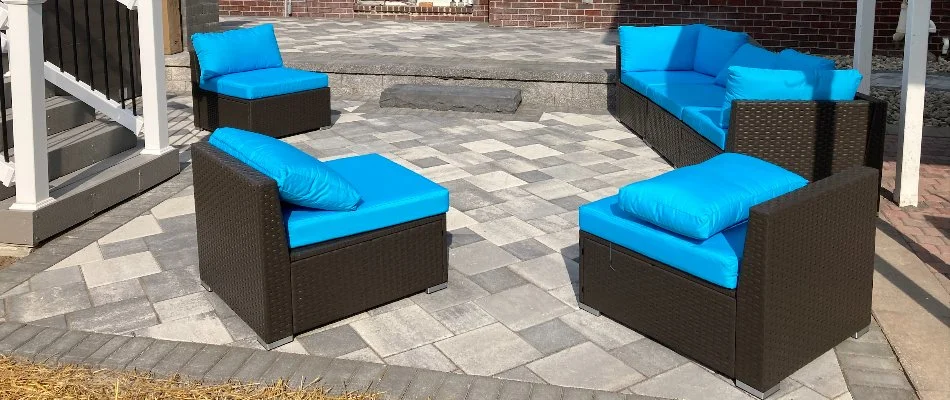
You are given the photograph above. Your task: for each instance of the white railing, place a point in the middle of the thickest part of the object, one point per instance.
(24, 40)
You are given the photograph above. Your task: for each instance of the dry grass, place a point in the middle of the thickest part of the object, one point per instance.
(6, 261)
(25, 380)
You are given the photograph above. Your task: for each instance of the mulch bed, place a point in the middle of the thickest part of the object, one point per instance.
(24, 380)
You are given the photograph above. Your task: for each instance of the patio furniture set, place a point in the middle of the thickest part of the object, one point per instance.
(753, 259)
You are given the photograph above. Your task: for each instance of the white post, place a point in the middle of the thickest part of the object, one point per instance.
(864, 42)
(154, 104)
(27, 85)
(912, 102)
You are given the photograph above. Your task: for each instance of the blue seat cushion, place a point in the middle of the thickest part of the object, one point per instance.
(268, 82)
(238, 50)
(714, 48)
(301, 179)
(748, 55)
(705, 120)
(641, 81)
(795, 60)
(391, 195)
(657, 48)
(701, 200)
(837, 85)
(675, 98)
(715, 260)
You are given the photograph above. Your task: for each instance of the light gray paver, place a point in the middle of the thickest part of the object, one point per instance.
(425, 357)
(523, 307)
(115, 292)
(601, 330)
(823, 375)
(648, 357)
(546, 392)
(484, 388)
(488, 350)
(479, 257)
(117, 317)
(552, 336)
(48, 302)
(590, 367)
(689, 381)
(454, 387)
(333, 342)
(514, 390)
(500, 279)
(400, 330)
(55, 277)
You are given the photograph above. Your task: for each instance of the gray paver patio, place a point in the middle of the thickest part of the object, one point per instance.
(510, 309)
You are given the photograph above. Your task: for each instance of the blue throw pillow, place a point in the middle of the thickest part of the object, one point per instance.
(714, 47)
(657, 48)
(793, 59)
(837, 85)
(237, 50)
(749, 55)
(301, 179)
(702, 200)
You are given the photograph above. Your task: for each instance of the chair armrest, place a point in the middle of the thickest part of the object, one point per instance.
(805, 279)
(812, 138)
(242, 243)
(618, 63)
(195, 67)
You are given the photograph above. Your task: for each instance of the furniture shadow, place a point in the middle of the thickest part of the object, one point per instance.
(932, 305)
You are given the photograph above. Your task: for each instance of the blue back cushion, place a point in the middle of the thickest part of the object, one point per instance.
(793, 59)
(237, 50)
(657, 48)
(301, 179)
(714, 48)
(748, 55)
(771, 84)
(702, 200)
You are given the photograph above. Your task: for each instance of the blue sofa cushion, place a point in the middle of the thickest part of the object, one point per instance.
(748, 55)
(715, 260)
(267, 82)
(837, 85)
(705, 120)
(675, 98)
(642, 80)
(301, 179)
(701, 200)
(657, 48)
(714, 48)
(238, 50)
(391, 195)
(795, 60)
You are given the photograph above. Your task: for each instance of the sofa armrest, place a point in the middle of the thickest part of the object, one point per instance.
(195, 67)
(242, 243)
(812, 138)
(805, 279)
(618, 63)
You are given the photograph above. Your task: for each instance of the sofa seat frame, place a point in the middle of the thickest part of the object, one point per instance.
(281, 292)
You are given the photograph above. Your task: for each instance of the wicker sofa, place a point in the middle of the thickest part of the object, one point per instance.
(803, 285)
(280, 291)
(807, 137)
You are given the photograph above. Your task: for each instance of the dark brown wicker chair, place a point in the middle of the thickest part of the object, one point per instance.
(804, 285)
(280, 292)
(276, 116)
(811, 138)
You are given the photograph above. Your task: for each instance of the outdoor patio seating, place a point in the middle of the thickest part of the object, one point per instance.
(286, 268)
(753, 293)
(239, 80)
(679, 90)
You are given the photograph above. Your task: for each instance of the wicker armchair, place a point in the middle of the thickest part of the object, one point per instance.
(811, 138)
(279, 291)
(277, 116)
(804, 285)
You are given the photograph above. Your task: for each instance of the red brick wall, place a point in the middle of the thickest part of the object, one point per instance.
(817, 25)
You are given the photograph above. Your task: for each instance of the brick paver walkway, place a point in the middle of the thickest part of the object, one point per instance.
(927, 226)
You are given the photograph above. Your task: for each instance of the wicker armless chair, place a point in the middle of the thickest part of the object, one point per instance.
(279, 291)
(804, 285)
(277, 116)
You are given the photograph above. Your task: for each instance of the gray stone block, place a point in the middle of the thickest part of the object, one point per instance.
(366, 378)
(485, 388)
(38, 342)
(546, 392)
(255, 366)
(394, 382)
(151, 356)
(454, 387)
(312, 370)
(177, 358)
(283, 368)
(18, 338)
(82, 350)
(60, 346)
(106, 350)
(206, 358)
(424, 385)
(225, 368)
(126, 353)
(514, 390)
(452, 98)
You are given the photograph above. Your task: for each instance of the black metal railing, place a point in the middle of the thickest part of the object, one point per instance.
(95, 41)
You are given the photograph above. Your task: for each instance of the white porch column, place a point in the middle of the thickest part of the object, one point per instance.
(27, 87)
(154, 104)
(912, 102)
(864, 42)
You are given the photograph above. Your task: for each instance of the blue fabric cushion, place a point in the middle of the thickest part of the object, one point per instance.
(795, 60)
(657, 48)
(266, 82)
(748, 55)
(715, 260)
(301, 179)
(391, 194)
(705, 120)
(714, 47)
(237, 50)
(837, 85)
(675, 98)
(701, 200)
(641, 81)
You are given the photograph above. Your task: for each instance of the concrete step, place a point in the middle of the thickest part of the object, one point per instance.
(87, 192)
(80, 147)
(452, 98)
(62, 113)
